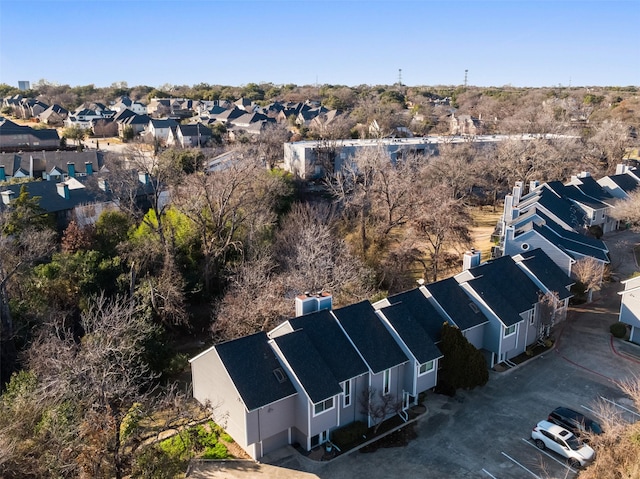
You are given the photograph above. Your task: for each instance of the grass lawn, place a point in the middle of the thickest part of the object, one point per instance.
(484, 222)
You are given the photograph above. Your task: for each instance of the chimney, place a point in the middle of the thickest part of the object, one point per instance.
(143, 178)
(7, 196)
(71, 169)
(517, 192)
(471, 259)
(510, 212)
(311, 302)
(103, 185)
(63, 190)
(533, 184)
(3, 175)
(621, 169)
(88, 168)
(584, 174)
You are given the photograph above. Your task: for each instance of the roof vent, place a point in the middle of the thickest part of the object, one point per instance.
(474, 308)
(279, 374)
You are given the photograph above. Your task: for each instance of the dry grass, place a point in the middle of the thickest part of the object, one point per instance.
(484, 223)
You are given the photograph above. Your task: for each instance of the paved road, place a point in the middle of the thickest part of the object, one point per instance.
(484, 433)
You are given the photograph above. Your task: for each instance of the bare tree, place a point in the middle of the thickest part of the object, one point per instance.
(548, 313)
(443, 224)
(628, 210)
(271, 142)
(589, 272)
(378, 406)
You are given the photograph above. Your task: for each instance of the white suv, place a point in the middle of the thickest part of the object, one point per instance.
(558, 439)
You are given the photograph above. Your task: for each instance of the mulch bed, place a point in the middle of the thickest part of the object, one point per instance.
(399, 438)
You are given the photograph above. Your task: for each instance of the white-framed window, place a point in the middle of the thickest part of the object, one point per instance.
(510, 330)
(424, 368)
(346, 389)
(532, 319)
(386, 382)
(525, 246)
(323, 406)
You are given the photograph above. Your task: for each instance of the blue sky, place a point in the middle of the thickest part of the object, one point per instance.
(155, 42)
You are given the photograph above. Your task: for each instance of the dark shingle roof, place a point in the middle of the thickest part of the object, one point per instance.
(592, 188)
(421, 310)
(493, 296)
(626, 182)
(571, 246)
(332, 344)
(451, 297)
(412, 333)
(564, 209)
(251, 363)
(549, 273)
(575, 194)
(195, 130)
(572, 235)
(375, 344)
(308, 366)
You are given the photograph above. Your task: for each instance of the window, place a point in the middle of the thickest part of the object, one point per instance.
(532, 319)
(346, 388)
(510, 330)
(525, 246)
(322, 406)
(425, 368)
(386, 386)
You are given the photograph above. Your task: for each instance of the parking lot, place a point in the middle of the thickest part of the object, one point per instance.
(485, 432)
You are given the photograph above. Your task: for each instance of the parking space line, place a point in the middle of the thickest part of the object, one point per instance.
(562, 463)
(512, 459)
(489, 474)
(620, 406)
(592, 411)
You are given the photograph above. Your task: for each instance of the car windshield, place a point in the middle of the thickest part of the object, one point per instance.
(573, 443)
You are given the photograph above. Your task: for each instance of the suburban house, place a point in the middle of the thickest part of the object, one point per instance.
(45, 164)
(545, 219)
(464, 125)
(160, 129)
(124, 102)
(630, 307)
(620, 185)
(14, 137)
(317, 372)
(189, 136)
(54, 115)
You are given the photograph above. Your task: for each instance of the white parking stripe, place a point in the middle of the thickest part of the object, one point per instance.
(512, 459)
(592, 411)
(620, 406)
(562, 463)
(489, 474)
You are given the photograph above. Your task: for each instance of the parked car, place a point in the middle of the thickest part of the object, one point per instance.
(577, 423)
(547, 435)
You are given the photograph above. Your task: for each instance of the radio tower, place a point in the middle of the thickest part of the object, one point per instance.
(465, 78)
(400, 76)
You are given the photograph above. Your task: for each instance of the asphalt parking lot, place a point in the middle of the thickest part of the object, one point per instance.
(485, 432)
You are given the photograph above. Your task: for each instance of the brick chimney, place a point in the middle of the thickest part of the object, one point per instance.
(311, 302)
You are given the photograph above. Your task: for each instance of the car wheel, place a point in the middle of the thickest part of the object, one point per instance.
(539, 443)
(574, 463)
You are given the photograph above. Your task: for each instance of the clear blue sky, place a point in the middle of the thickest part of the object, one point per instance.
(185, 42)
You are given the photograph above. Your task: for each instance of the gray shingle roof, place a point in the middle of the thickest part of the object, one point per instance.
(370, 337)
(250, 363)
(307, 364)
(571, 246)
(412, 333)
(421, 311)
(328, 338)
(451, 297)
(549, 273)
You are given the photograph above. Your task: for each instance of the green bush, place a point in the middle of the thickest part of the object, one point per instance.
(348, 435)
(619, 330)
(217, 451)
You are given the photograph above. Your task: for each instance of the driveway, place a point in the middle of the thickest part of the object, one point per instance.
(484, 433)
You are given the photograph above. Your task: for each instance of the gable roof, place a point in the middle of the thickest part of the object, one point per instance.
(590, 187)
(571, 246)
(250, 363)
(374, 343)
(575, 194)
(195, 130)
(330, 341)
(411, 332)
(564, 209)
(500, 304)
(456, 303)
(422, 311)
(572, 235)
(307, 365)
(549, 273)
(626, 182)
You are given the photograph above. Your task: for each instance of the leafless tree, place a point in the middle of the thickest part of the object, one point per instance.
(608, 145)
(589, 272)
(378, 406)
(628, 210)
(270, 144)
(443, 224)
